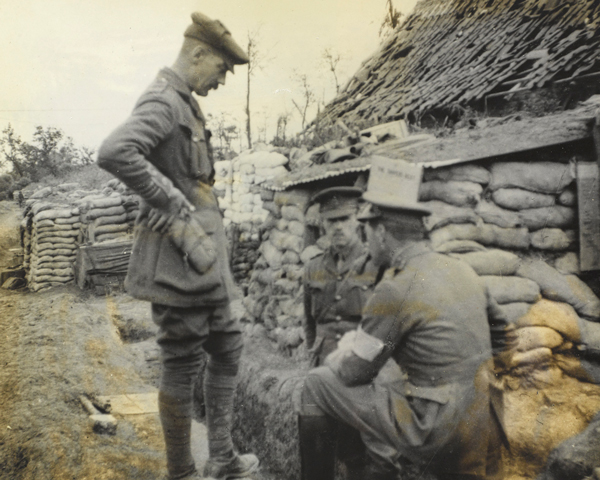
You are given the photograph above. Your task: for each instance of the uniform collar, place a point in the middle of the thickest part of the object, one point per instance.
(401, 258)
(351, 256)
(182, 88)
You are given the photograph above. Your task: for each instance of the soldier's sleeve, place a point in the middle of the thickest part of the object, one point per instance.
(383, 325)
(309, 324)
(124, 152)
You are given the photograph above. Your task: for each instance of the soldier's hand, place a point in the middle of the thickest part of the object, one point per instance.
(160, 219)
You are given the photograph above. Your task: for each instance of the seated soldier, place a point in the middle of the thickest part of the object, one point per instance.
(338, 282)
(429, 314)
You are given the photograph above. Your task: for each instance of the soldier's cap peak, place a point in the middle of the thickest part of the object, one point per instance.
(215, 34)
(335, 202)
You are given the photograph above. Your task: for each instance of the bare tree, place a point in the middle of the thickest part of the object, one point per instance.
(332, 60)
(256, 62)
(307, 95)
(391, 20)
(282, 123)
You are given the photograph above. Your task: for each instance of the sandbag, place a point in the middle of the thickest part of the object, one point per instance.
(56, 258)
(458, 173)
(106, 202)
(112, 220)
(291, 212)
(519, 199)
(57, 252)
(271, 254)
(530, 338)
(67, 220)
(53, 234)
(538, 357)
(511, 289)
(99, 230)
(558, 316)
(568, 264)
(55, 265)
(512, 312)
(40, 247)
(492, 213)
(296, 228)
(490, 262)
(44, 223)
(461, 194)
(57, 228)
(552, 239)
(486, 234)
(59, 241)
(104, 212)
(445, 214)
(460, 246)
(561, 288)
(557, 216)
(543, 177)
(55, 214)
(111, 236)
(290, 258)
(294, 243)
(278, 238)
(568, 197)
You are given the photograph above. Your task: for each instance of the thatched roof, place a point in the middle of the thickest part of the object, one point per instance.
(450, 53)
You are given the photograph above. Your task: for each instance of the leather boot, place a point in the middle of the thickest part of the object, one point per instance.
(317, 448)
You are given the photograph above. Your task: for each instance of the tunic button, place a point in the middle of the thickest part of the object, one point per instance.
(338, 297)
(338, 318)
(340, 278)
(195, 138)
(337, 336)
(365, 287)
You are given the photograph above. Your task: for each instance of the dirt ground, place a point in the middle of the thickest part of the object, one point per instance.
(59, 345)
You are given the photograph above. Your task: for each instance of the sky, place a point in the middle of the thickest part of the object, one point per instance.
(80, 65)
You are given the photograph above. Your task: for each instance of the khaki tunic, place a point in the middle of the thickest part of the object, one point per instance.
(334, 297)
(167, 129)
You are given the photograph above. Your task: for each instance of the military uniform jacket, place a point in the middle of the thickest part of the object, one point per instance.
(334, 298)
(429, 313)
(166, 129)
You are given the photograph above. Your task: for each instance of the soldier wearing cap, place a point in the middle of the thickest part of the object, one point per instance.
(338, 282)
(179, 259)
(429, 313)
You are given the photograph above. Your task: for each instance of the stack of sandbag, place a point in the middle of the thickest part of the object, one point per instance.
(274, 294)
(50, 249)
(542, 303)
(513, 205)
(107, 217)
(237, 185)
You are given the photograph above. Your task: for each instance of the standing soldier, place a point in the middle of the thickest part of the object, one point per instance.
(338, 282)
(179, 258)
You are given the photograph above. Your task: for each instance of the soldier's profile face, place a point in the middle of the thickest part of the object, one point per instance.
(209, 73)
(341, 231)
(375, 245)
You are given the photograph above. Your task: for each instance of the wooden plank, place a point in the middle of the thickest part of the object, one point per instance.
(588, 192)
(511, 137)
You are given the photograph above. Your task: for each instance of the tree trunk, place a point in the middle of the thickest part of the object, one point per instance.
(248, 128)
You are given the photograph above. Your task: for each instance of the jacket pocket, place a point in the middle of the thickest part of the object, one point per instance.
(174, 270)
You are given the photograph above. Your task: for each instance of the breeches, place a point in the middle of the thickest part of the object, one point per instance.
(393, 425)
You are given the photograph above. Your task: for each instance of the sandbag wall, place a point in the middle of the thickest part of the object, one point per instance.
(275, 294)
(508, 215)
(58, 220)
(238, 188)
